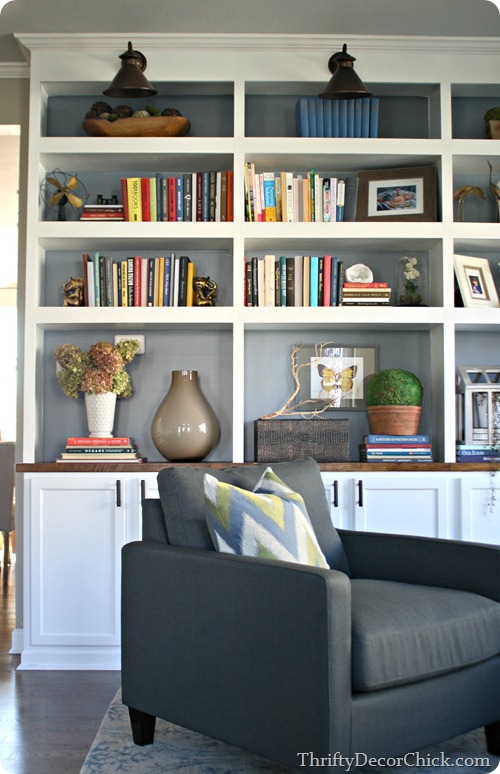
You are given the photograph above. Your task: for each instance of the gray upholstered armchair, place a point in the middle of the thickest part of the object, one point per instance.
(394, 648)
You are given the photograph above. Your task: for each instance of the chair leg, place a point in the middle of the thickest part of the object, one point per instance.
(493, 738)
(143, 726)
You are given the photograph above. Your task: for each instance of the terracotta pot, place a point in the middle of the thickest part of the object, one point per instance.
(394, 420)
(492, 129)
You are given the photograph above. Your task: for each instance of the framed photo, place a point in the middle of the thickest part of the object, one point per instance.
(335, 377)
(475, 281)
(397, 194)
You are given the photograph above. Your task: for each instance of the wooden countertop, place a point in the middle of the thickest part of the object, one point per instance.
(327, 467)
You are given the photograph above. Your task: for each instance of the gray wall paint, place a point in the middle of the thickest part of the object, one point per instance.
(398, 17)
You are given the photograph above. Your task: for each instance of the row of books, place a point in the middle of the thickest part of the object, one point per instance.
(476, 453)
(307, 280)
(138, 281)
(86, 449)
(395, 448)
(316, 117)
(289, 197)
(196, 196)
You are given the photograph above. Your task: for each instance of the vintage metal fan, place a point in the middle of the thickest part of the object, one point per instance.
(59, 189)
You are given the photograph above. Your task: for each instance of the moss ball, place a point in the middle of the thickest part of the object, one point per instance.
(394, 387)
(493, 114)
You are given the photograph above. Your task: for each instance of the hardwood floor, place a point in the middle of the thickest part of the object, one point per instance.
(48, 720)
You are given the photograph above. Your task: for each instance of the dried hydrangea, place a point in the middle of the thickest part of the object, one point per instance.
(122, 384)
(128, 349)
(105, 357)
(101, 369)
(97, 381)
(72, 365)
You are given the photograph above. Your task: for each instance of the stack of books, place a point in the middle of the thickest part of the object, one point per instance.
(102, 212)
(366, 294)
(81, 449)
(477, 453)
(317, 117)
(395, 448)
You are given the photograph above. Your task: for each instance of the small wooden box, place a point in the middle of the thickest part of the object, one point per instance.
(278, 440)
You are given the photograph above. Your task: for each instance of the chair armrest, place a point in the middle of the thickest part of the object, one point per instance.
(153, 520)
(453, 564)
(250, 648)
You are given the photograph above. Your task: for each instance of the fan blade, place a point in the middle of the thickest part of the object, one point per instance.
(54, 181)
(74, 200)
(72, 182)
(56, 198)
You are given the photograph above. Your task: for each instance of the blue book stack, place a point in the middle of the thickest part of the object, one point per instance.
(477, 453)
(316, 117)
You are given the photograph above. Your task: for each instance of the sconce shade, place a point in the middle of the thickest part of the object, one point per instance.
(130, 80)
(344, 83)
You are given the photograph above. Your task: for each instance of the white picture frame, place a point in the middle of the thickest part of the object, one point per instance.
(475, 281)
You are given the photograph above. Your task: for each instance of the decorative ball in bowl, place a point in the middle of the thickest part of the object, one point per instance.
(102, 120)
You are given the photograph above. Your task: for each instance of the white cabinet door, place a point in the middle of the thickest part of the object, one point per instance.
(404, 505)
(339, 489)
(149, 486)
(479, 507)
(76, 529)
(139, 488)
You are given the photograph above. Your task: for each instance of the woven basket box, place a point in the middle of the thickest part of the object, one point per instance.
(278, 440)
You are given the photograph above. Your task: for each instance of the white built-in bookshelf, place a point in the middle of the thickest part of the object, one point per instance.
(239, 92)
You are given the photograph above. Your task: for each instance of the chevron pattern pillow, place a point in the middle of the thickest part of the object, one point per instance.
(271, 522)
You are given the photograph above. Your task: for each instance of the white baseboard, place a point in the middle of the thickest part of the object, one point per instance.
(17, 642)
(70, 659)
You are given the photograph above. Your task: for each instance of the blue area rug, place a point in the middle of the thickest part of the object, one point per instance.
(176, 749)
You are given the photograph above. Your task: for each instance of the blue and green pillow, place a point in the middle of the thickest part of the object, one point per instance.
(270, 522)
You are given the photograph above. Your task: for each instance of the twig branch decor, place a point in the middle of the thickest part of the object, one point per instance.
(300, 408)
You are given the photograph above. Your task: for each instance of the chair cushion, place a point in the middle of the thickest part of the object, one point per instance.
(402, 633)
(183, 502)
(271, 522)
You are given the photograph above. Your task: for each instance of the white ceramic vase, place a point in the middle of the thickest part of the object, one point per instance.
(100, 414)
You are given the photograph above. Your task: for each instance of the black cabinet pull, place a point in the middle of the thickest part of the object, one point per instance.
(360, 494)
(143, 489)
(335, 494)
(118, 493)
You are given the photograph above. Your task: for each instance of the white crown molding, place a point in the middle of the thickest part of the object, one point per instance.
(14, 70)
(236, 42)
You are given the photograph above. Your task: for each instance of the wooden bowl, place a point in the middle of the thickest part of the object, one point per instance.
(155, 126)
